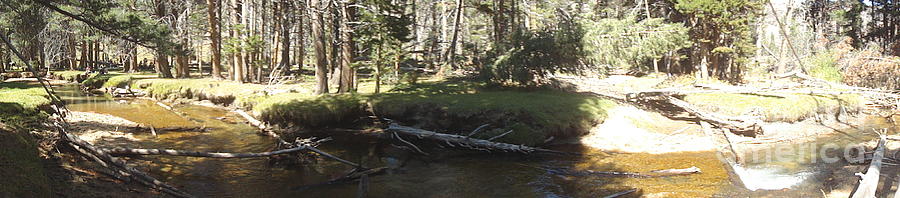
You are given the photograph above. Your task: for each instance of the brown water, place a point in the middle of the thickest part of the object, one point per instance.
(471, 175)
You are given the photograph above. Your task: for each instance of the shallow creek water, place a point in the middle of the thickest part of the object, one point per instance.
(471, 175)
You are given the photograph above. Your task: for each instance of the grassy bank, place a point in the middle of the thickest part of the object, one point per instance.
(458, 107)
(446, 106)
(23, 173)
(777, 108)
(21, 97)
(72, 76)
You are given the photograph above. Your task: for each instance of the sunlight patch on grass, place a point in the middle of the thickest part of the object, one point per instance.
(783, 107)
(15, 97)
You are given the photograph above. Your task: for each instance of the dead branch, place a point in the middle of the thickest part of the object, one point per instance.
(477, 130)
(409, 143)
(499, 136)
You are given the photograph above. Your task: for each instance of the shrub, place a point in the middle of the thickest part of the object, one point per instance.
(533, 57)
(823, 65)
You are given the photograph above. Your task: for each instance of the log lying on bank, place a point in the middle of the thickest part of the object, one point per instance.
(741, 126)
(869, 182)
(465, 141)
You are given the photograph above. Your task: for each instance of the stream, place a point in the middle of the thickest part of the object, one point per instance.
(442, 175)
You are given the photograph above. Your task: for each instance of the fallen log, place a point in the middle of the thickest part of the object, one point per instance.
(869, 182)
(465, 141)
(253, 121)
(741, 126)
(623, 193)
(169, 129)
(121, 165)
(133, 151)
(655, 173)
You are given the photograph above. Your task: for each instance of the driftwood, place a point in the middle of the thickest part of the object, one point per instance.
(742, 126)
(655, 173)
(253, 121)
(107, 160)
(465, 141)
(133, 151)
(168, 129)
(300, 145)
(619, 194)
(869, 182)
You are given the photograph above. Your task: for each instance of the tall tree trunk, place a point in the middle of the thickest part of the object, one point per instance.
(182, 63)
(286, 36)
(162, 65)
(378, 68)
(452, 49)
(238, 65)
(347, 51)
(215, 38)
(300, 55)
(318, 36)
(132, 57)
(72, 54)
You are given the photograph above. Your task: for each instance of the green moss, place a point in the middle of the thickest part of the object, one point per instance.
(19, 97)
(781, 107)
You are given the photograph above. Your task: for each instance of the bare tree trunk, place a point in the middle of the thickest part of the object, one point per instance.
(287, 11)
(451, 50)
(162, 65)
(215, 37)
(378, 69)
(301, 45)
(238, 65)
(72, 54)
(318, 36)
(347, 51)
(132, 60)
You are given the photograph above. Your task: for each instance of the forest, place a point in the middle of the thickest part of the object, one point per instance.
(449, 98)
